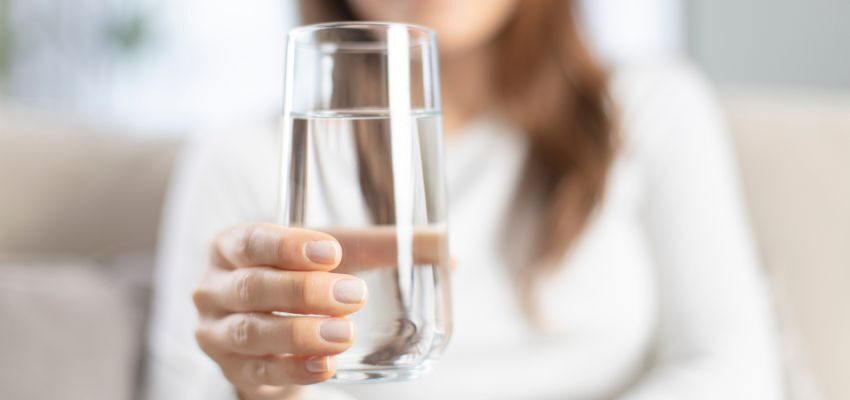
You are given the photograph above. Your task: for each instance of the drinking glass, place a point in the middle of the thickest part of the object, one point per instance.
(361, 159)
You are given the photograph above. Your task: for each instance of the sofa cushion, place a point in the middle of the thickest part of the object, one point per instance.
(71, 189)
(68, 332)
(794, 151)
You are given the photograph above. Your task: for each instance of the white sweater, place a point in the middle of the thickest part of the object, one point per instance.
(662, 297)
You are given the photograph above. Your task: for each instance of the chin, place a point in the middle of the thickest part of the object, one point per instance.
(461, 25)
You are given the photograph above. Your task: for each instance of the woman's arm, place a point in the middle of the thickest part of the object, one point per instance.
(715, 334)
(202, 201)
(220, 182)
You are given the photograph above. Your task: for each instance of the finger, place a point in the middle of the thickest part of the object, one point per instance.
(268, 392)
(277, 370)
(276, 246)
(262, 334)
(264, 289)
(377, 247)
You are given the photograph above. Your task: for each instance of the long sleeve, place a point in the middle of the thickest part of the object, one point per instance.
(220, 181)
(207, 195)
(715, 334)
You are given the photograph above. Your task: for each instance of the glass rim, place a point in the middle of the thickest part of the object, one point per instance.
(301, 35)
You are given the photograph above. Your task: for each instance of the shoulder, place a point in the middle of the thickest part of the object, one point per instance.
(661, 101)
(640, 86)
(230, 153)
(233, 146)
(236, 166)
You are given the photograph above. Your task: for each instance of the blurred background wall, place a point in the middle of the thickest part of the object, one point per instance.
(771, 42)
(218, 62)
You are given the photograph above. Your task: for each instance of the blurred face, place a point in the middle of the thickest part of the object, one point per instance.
(461, 25)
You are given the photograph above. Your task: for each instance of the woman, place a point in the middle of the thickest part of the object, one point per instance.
(629, 273)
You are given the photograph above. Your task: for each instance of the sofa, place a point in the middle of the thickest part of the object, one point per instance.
(80, 207)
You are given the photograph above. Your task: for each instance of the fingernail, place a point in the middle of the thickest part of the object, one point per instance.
(323, 251)
(318, 364)
(336, 330)
(349, 291)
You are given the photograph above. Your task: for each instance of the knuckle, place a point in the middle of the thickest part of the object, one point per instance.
(242, 331)
(230, 374)
(237, 378)
(217, 248)
(298, 333)
(247, 244)
(199, 297)
(202, 336)
(298, 289)
(258, 371)
(281, 250)
(245, 287)
(228, 246)
(202, 294)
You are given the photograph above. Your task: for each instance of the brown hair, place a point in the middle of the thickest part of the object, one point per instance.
(549, 85)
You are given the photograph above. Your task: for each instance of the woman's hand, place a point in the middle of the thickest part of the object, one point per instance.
(260, 269)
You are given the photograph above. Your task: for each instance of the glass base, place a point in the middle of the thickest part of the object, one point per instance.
(379, 375)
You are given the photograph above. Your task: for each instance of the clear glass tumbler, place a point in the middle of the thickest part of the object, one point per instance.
(361, 159)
